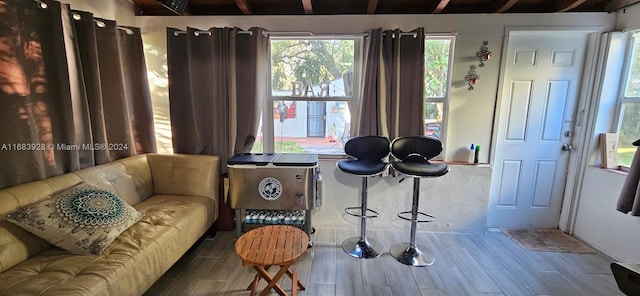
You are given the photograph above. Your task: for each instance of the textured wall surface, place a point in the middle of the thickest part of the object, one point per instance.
(458, 199)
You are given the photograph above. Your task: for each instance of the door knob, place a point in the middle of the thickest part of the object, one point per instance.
(567, 147)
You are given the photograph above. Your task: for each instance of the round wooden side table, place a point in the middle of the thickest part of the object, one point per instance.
(271, 245)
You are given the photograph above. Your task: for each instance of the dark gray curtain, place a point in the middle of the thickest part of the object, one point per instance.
(68, 93)
(393, 87)
(217, 82)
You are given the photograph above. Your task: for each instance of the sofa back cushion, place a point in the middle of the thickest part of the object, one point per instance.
(17, 244)
(129, 178)
(180, 174)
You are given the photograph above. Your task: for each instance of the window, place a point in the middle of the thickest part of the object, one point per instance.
(437, 68)
(311, 86)
(312, 83)
(629, 120)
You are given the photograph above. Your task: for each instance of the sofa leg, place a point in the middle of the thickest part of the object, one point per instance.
(211, 233)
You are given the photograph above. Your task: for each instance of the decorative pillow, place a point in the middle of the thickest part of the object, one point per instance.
(83, 219)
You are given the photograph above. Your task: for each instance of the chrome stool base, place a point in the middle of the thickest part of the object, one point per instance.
(359, 248)
(412, 255)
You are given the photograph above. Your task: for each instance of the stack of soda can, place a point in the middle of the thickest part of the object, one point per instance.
(294, 217)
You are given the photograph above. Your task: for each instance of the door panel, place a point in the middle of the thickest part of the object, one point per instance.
(555, 108)
(510, 178)
(542, 78)
(518, 110)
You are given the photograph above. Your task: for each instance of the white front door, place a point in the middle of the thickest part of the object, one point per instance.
(537, 112)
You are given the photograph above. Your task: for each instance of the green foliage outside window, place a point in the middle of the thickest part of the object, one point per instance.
(436, 73)
(312, 61)
(630, 112)
(436, 67)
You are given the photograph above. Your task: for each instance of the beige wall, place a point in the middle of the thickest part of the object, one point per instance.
(460, 199)
(597, 220)
(471, 113)
(629, 19)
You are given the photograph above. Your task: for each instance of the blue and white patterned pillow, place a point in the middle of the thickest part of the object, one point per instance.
(83, 219)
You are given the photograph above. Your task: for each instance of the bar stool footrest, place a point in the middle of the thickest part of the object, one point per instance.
(375, 214)
(429, 218)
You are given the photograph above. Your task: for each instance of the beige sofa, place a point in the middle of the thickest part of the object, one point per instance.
(178, 196)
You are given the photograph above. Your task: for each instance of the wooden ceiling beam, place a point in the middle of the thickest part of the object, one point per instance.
(244, 6)
(566, 5)
(308, 8)
(372, 5)
(440, 6)
(503, 5)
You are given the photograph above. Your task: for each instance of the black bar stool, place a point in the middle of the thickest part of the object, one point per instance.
(412, 155)
(368, 153)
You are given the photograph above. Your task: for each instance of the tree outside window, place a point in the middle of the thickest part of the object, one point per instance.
(438, 52)
(311, 85)
(629, 126)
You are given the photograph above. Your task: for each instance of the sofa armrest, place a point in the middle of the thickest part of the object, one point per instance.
(185, 174)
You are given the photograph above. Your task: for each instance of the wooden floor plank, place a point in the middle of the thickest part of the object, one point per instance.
(197, 268)
(513, 263)
(213, 247)
(473, 272)
(528, 257)
(454, 282)
(400, 277)
(377, 291)
(466, 264)
(373, 274)
(319, 290)
(433, 292)
(590, 263)
(349, 278)
(479, 252)
(323, 266)
(436, 247)
(508, 283)
(427, 279)
(599, 284)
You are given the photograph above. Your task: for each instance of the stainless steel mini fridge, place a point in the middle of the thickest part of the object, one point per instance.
(273, 182)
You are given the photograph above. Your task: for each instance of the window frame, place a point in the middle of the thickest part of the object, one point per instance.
(447, 95)
(622, 97)
(268, 137)
(268, 128)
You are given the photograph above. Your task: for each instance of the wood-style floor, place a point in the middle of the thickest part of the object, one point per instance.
(466, 264)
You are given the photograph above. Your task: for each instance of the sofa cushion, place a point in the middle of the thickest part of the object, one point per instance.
(130, 265)
(83, 219)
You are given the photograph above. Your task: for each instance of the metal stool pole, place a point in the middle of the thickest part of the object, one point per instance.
(363, 213)
(411, 253)
(361, 247)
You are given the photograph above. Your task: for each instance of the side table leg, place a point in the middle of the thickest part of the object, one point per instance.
(299, 284)
(272, 281)
(256, 280)
(254, 285)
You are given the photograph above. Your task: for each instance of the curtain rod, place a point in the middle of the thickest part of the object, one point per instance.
(101, 24)
(284, 33)
(198, 33)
